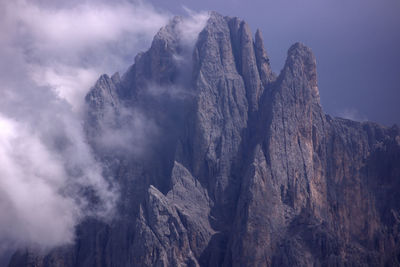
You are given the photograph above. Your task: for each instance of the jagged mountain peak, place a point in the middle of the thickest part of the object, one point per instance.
(301, 58)
(169, 34)
(301, 67)
(241, 168)
(263, 62)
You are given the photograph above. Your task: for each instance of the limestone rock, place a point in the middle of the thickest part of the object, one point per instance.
(245, 168)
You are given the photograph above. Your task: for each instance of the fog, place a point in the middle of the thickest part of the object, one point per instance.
(52, 53)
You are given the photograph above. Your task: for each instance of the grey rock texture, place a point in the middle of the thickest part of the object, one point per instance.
(243, 167)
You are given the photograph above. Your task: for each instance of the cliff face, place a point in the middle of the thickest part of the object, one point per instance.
(243, 169)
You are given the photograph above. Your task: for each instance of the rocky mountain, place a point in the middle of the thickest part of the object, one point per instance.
(232, 165)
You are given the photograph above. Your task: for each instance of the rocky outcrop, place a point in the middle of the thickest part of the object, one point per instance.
(243, 167)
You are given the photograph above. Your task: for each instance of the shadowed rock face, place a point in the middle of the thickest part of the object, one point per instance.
(244, 168)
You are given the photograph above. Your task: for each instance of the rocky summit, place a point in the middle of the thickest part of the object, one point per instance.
(220, 162)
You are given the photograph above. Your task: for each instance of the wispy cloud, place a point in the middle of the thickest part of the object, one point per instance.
(192, 24)
(52, 52)
(66, 47)
(351, 114)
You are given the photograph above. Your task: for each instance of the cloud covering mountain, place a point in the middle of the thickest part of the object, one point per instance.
(52, 52)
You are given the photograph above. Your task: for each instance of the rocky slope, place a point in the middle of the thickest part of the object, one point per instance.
(236, 166)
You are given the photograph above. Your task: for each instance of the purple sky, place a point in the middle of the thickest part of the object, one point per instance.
(356, 42)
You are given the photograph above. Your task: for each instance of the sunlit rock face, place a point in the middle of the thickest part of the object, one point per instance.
(220, 162)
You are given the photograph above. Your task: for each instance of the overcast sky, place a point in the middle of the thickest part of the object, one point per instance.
(356, 43)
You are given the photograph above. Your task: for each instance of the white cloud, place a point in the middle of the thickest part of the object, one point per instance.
(78, 41)
(52, 53)
(43, 168)
(69, 82)
(32, 208)
(85, 25)
(351, 114)
(192, 25)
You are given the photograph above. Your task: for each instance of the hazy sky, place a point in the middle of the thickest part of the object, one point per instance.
(356, 43)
